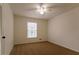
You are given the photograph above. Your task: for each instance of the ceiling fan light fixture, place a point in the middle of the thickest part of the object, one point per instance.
(41, 12)
(41, 9)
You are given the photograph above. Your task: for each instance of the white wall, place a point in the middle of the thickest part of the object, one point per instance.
(7, 28)
(64, 29)
(20, 30)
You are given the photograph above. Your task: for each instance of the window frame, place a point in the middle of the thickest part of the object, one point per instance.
(36, 30)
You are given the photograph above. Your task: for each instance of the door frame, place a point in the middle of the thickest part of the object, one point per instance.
(0, 29)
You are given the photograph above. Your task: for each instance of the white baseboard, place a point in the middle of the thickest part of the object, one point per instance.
(64, 46)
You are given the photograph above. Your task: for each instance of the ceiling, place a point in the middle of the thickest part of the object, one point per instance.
(53, 9)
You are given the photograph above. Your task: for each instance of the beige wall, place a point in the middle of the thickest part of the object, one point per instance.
(64, 29)
(7, 28)
(20, 30)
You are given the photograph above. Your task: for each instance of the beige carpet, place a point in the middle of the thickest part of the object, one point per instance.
(41, 48)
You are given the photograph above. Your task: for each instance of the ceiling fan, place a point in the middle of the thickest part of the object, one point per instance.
(41, 8)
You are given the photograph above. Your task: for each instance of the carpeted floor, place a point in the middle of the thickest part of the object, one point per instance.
(41, 48)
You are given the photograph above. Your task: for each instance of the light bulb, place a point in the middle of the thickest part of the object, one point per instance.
(41, 12)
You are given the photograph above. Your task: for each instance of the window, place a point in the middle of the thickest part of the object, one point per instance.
(31, 30)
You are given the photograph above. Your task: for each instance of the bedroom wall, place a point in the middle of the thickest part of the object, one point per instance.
(64, 29)
(20, 29)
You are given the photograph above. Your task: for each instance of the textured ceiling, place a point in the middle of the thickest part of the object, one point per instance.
(30, 9)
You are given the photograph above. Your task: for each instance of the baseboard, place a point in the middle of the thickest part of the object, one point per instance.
(63, 46)
(31, 42)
